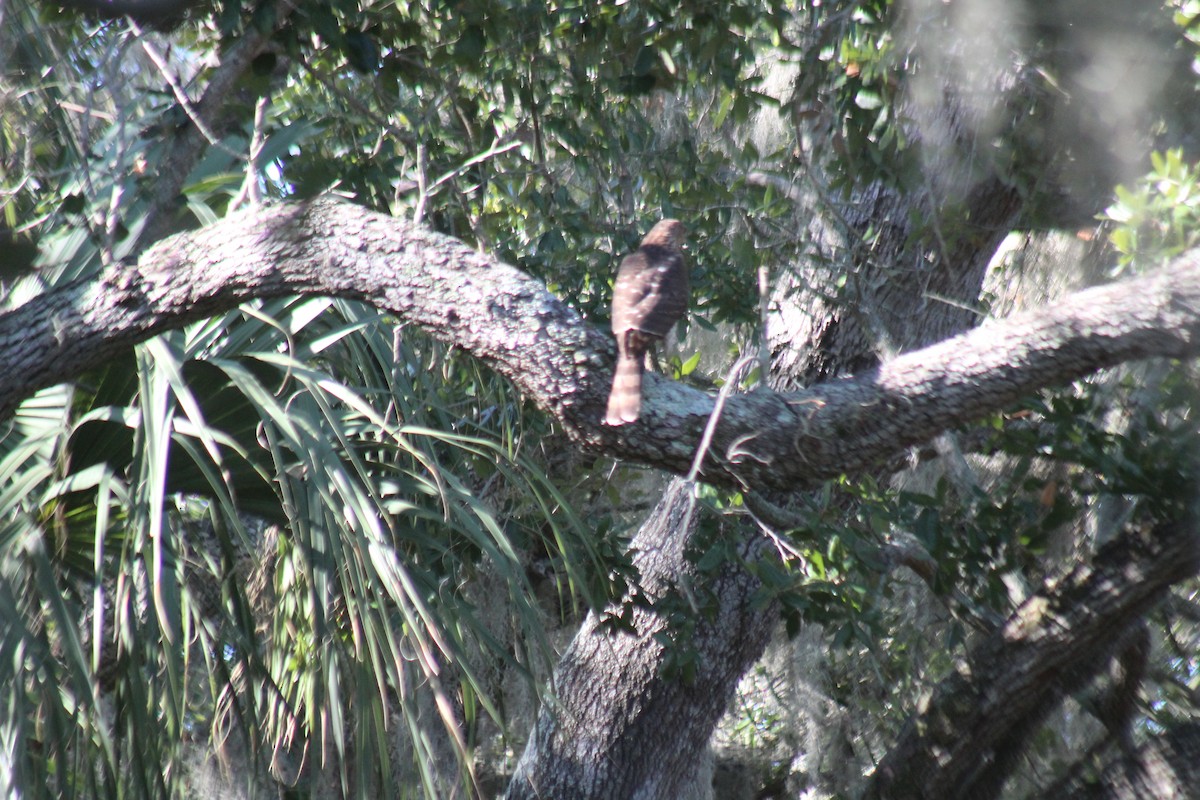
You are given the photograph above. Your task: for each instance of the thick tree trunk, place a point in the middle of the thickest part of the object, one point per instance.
(633, 710)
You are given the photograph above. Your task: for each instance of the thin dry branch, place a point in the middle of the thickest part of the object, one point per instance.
(188, 145)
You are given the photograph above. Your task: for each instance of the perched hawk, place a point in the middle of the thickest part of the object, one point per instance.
(650, 296)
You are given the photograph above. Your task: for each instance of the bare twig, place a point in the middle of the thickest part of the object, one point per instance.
(250, 191)
(181, 96)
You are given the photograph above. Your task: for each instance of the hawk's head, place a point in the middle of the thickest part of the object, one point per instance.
(668, 233)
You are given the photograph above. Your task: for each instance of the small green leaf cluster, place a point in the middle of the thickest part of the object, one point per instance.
(1187, 17)
(861, 83)
(1157, 218)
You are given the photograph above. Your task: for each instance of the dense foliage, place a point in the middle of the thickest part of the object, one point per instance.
(300, 527)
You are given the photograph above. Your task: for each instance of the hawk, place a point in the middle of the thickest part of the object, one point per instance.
(650, 295)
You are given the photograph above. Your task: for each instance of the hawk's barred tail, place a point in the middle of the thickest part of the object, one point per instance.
(625, 399)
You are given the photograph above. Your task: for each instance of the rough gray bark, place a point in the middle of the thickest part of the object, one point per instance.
(913, 290)
(624, 729)
(786, 440)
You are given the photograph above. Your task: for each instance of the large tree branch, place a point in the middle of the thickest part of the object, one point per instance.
(501, 315)
(626, 727)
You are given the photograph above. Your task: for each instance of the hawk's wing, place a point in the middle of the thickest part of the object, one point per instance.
(651, 292)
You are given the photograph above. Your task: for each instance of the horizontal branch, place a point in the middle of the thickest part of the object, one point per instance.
(564, 365)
